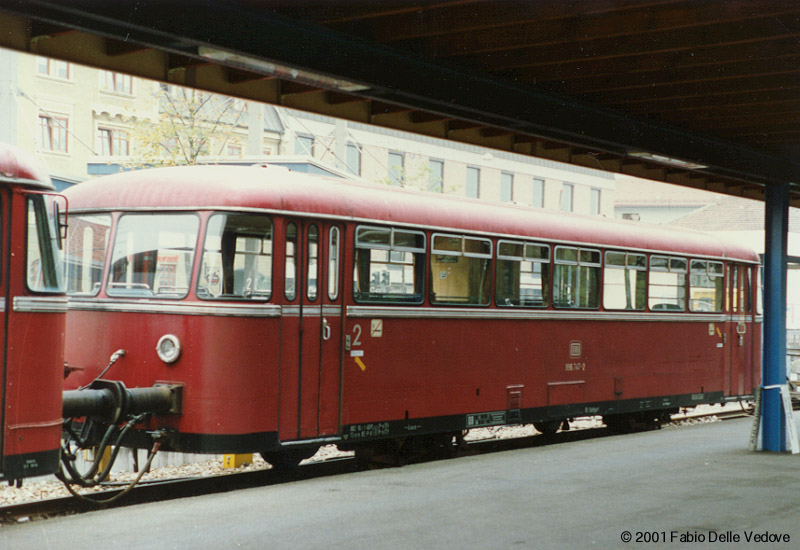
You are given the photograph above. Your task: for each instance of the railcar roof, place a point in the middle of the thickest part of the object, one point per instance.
(20, 168)
(275, 188)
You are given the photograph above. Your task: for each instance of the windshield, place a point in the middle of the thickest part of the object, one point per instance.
(153, 255)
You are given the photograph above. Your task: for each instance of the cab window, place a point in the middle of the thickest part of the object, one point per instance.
(43, 258)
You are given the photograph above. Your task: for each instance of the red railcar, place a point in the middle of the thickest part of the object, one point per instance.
(34, 309)
(293, 310)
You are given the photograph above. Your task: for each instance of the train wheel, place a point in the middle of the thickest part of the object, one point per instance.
(549, 427)
(290, 458)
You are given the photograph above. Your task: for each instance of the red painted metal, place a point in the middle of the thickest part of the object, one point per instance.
(31, 333)
(294, 373)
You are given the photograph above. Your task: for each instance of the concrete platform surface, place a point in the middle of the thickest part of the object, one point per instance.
(691, 487)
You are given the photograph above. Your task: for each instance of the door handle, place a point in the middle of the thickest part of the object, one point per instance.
(326, 329)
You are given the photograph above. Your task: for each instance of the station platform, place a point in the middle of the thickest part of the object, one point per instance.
(689, 487)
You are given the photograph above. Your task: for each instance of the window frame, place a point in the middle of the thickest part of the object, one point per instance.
(625, 267)
(202, 250)
(459, 253)
(334, 261)
(129, 292)
(109, 137)
(419, 266)
(73, 222)
(669, 269)
(578, 263)
(546, 285)
(56, 125)
(711, 276)
(435, 175)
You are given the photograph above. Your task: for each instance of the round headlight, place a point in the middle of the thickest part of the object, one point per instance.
(168, 348)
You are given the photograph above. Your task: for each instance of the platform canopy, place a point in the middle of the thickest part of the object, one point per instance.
(697, 93)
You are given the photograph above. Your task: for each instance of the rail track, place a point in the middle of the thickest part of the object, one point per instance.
(169, 489)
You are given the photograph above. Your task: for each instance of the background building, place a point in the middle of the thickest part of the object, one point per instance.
(84, 122)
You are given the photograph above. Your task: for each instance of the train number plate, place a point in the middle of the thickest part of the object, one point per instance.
(486, 419)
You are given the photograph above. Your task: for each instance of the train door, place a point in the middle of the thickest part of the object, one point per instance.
(740, 333)
(4, 300)
(311, 331)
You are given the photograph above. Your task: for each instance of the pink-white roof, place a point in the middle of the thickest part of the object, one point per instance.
(20, 168)
(275, 188)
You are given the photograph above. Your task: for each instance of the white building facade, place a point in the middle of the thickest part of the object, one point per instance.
(83, 122)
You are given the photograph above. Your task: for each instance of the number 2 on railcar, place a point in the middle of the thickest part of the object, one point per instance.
(293, 311)
(34, 306)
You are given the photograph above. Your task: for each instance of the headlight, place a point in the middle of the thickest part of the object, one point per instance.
(169, 348)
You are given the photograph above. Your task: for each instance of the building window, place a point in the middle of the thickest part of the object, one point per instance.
(436, 176)
(53, 132)
(112, 142)
(53, 67)
(233, 150)
(538, 193)
(117, 82)
(304, 145)
(567, 191)
(396, 169)
(473, 182)
(354, 159)
(594, 204)
(506, 187)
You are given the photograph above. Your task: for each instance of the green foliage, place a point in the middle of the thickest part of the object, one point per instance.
(191, 124)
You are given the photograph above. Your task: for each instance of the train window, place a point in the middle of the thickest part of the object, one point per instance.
(523, 274)
(706, 290)
(333, 263)
(237, 258)
(576, 278)
(312, 263)
(748, 289)
(388, 265)
(460, 270)
(153, 255)
(667, 284)
(290, 263)
(87, 243)
(624, 281)
(45, 271)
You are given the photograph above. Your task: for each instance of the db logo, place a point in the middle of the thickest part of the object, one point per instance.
(575, 349)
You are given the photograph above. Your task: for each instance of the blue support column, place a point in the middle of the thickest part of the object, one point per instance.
(774, 356)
